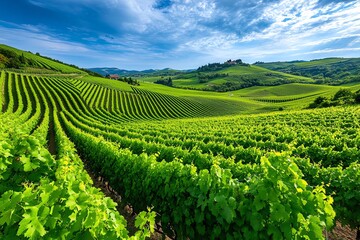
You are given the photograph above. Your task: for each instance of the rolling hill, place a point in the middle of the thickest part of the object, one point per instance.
(27, 62)
(328, 70)
(230, 78)
(134, 73)
(336, 71)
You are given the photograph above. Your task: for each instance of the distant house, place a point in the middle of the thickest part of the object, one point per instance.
(113, 76)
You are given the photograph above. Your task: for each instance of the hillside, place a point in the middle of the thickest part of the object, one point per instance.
(134, 73)
(23, 61)
(230, 78)
(328, 70)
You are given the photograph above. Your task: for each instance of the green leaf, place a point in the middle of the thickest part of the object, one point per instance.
(315, 230)
(73, 216)
(8, 205)
(6, 217)
(228, 214)
(30, 224)
(255, 221)
(71, 203)
(91, 220)
(278, 212)
(258, 203)
(140, 220)
(28, 164)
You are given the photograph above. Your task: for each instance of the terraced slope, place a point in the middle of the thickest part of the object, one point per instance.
(206, 178)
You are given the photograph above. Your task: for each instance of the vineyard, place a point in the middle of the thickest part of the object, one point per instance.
(175, 159)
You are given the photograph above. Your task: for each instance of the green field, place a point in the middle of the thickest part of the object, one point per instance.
(236, 75)
(328, 70)
(246, 164)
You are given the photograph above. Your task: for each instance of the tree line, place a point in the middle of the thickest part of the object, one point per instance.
(341, 97)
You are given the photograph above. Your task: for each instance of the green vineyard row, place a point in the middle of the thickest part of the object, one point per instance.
(43, 197)
(277, 176)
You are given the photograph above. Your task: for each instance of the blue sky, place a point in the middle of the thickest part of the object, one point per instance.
(181, 34)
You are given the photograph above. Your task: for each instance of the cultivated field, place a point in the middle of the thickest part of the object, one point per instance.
(203, 165)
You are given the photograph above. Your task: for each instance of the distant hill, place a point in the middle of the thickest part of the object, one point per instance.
(228, 76)
(134, 73)
(328, 70)
(122, 72)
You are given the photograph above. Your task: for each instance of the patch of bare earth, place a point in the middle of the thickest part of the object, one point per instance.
(341, 233)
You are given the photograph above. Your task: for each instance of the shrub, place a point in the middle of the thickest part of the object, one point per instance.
(343, 94)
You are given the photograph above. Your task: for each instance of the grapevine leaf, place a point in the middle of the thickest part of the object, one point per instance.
(258, 204)
(227, 214)
(30, 224)
(278, 212)
(8, 205)
(28, 164)
(255, 220)
(71, 203)
(90, 220)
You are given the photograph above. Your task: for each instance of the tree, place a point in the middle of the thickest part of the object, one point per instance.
(22, 59)
(13, 63)
(167, 81)
(3, 60)
(357, 96)
(319, 100)
(343, 94)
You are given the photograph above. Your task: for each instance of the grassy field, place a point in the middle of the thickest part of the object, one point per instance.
(236, 74)
(306, 64)
(293, 89)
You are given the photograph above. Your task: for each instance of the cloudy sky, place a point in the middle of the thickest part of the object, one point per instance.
(181, 34)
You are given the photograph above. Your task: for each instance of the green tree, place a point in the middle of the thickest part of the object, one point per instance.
(13, 63)
(357, 96)
(22, 59)
(343, 94)
(319, 100)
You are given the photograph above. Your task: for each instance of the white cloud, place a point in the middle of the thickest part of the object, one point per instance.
(300, 26)
(25, 36)
(215, 40)
(133, 15)
(332, 50)
(204, 30)
(355, 41)
(331, 39)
